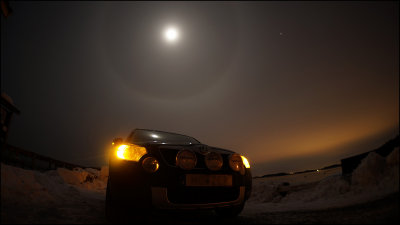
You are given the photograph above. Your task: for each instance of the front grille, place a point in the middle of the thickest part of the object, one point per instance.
(202, 195)
(169, 156)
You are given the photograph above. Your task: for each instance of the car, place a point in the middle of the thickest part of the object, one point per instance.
(156, 170)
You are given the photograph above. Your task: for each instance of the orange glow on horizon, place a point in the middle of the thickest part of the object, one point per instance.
(321, 140)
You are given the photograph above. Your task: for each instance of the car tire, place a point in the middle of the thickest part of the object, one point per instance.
(116, 210)
(229, 212)
(110, 206)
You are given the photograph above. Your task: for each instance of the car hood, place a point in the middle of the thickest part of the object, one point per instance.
(200, 148)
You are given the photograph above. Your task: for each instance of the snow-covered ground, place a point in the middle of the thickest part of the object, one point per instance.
(56, 196)
(77, 196)
(375, 178)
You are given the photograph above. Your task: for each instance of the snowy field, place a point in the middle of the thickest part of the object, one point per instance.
(65, 196)
(375, 178)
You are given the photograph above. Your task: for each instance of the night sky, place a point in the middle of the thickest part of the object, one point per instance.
(290, 85)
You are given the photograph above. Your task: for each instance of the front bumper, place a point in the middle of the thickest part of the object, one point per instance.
(166, 189)
(160, 200)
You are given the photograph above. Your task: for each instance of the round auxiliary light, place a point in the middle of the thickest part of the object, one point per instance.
(214, 161)
(150, 164)
(236, 163)
(186, 159)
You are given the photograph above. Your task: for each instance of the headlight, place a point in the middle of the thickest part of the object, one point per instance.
(236, 163)
(131, 152)
(150, 164)
(214, 161)
(245, 162)
(186, 159)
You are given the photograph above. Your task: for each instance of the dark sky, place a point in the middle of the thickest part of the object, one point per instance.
(291, 85)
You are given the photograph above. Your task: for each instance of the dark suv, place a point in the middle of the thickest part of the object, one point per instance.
(163, 170)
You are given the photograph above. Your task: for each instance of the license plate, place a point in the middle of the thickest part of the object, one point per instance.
(207, 180)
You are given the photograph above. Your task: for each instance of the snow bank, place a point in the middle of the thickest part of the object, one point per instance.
(55, 196)
(263, 192)
(104, 173)
(377, 175)
(374, 178)
(55, 185)
(28, 186)
(369, 171)
(86, 178)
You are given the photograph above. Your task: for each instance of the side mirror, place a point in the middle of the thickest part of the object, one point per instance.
(117, 141)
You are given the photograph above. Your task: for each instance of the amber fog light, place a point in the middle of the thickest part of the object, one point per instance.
(186, 159)
(130, 152)
(214, 161)
(245, 162)
(236, 163)
(150, 164)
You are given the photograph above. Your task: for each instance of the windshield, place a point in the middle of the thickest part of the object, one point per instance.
(151, 136)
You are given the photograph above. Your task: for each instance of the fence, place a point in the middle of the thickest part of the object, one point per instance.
(19, 157)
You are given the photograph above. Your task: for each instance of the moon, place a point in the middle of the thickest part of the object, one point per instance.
(171, 34)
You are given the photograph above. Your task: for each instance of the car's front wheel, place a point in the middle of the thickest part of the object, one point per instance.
(110, 208)
(230, 211)
(123, 210)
